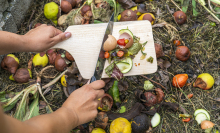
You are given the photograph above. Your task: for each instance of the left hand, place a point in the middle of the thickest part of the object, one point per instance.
(43, 37)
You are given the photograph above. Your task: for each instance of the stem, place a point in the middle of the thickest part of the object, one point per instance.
(54, 80)
(40, 91)
(212, 13)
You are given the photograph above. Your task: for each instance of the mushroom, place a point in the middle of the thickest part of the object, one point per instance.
(110, 43)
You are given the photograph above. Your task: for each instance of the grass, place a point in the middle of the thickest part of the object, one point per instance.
(203, 42)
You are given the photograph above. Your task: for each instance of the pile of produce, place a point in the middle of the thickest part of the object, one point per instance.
(182, 96)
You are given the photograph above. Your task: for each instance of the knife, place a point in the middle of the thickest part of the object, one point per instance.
(101, 60)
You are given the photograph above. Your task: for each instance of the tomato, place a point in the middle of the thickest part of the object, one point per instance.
(120, 53)
(176, 42)
(185, 119)
(107, 54)
(190, 95)
(121, 42)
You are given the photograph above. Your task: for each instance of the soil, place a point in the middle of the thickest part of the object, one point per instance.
(197, 34)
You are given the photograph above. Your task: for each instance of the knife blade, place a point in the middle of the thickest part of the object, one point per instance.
(101, 60)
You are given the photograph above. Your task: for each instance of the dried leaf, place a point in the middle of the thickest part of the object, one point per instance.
(217, 81)
(166, 64)
(103, 12)
(217, 99)
(164, 77)
(126, 4)
(123, 85)
(42, 104)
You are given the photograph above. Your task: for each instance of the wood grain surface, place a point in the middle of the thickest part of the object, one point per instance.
(85, 43)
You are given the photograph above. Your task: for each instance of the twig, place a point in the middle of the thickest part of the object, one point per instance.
(154, 82)
(176, 5)
(30, 19)
(211, 8)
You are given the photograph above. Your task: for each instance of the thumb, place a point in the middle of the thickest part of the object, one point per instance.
(61, 37)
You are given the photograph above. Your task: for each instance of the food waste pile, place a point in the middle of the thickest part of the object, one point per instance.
(181, 96)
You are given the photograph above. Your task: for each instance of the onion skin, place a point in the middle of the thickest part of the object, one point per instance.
(22, 75)
(160, 95)
(10, 63)
(207, 124)
(60, 63)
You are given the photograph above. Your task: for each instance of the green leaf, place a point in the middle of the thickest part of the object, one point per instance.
(6, 96)
(185, 5)
(33, 109)
(23, 105)
(97, 22)
(148, 85)
(123, 109)
(195, 13)
(12, 102)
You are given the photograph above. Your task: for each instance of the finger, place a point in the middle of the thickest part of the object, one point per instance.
(61, 37)
(58, 32)
(97, 84)
(99, 93)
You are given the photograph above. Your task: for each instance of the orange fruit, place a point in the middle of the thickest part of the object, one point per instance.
(180, 79)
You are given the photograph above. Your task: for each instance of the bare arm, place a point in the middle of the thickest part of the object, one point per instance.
(36, 40)
(79, 108)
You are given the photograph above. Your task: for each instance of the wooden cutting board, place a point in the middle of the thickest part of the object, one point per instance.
(85, 43)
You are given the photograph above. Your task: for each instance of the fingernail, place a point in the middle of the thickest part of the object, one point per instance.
(67, 34)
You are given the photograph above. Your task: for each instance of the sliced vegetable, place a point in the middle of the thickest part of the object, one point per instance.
(126, 31)
(107, 55)
(202, 111)
(155, 121)
(201, 117)
(120, 53)
(125, 65)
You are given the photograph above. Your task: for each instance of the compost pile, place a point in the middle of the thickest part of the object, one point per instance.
(182, 96)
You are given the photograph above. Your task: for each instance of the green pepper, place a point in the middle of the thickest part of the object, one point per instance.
(114, 92)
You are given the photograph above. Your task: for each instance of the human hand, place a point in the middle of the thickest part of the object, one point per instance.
(83, 102)
(43, 37)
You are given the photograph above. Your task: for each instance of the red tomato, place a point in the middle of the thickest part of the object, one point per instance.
(107, 54)
(121, 42)
(120, 53)
(185, 119)
(176, 42)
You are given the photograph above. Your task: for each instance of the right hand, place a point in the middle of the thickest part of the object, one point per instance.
(83, 102)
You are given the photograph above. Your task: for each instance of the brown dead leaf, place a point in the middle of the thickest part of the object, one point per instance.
(42, 104)
(126, 4)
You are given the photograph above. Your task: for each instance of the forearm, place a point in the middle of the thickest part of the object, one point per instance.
(11, 42)
(61, 121)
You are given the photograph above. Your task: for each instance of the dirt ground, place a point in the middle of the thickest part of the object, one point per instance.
(197, 34)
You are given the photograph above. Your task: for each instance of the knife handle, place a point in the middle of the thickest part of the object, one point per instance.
(92, 79)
